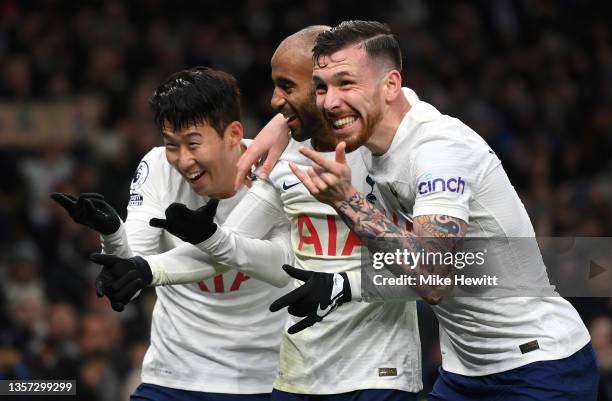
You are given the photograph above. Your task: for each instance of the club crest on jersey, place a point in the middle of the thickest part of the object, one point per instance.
(431, 185)
(140, 176)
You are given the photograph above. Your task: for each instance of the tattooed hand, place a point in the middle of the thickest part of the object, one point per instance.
(327, 180)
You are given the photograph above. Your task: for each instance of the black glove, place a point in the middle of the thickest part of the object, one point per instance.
(316, 298)
(120, 279)
(192, 226)
(91, 210)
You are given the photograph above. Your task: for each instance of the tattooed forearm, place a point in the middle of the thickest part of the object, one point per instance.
(431, 233)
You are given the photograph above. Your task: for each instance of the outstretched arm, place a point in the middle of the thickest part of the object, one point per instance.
(238, 244)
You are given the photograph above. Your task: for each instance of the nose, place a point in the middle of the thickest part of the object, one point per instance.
(331, 99)
(185, 159)
(277, 101)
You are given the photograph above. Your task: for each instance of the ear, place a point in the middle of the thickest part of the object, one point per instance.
(393, 85)
(233, 134)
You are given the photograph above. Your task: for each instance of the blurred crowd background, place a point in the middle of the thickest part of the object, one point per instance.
(534, 78)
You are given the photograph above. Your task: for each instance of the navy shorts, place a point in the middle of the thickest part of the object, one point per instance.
(152, 392)
(358, 395)
(574, 378)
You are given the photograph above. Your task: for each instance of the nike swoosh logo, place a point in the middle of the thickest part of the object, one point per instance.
(286, 187)
(323, 312)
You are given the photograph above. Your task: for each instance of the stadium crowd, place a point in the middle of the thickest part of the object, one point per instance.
(533, 78)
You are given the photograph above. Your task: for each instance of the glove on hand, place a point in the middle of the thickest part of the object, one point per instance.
(320, 294)
(192, 226)
(90, 210)
(121, 279)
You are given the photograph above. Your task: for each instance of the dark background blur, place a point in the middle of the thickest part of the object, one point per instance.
(534, 78)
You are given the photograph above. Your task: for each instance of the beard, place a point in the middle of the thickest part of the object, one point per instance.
(361, 138)
(312, 124)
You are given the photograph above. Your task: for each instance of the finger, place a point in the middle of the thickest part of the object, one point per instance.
(302, 176)
(124, 280)
(211, 205)
(177, 210)
(90, 208)
(104, 259)
(268, 164)
(329, 179)
(125, 293)
(117, 306)
(318, 169)
(341, 153)
(329, 165)
(91, 195)
(159, 223)
(79, 206)
(289, 298)
(316, 180)
(65, 200)
(301, 325)
(299, 309)
(244, 165)
(100, 288)
(241, 180)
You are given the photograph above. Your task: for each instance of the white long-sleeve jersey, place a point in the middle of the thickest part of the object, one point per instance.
(438, 165)
(213, 335)
(361, 345)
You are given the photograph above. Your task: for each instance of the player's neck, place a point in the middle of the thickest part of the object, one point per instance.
(227, 191)
(380, 141)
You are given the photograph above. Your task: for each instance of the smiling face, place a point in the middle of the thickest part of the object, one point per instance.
(348, 87)
(205, 159)
(293, 95)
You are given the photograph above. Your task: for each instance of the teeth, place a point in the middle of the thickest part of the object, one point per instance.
(343, 122)
(195, 175)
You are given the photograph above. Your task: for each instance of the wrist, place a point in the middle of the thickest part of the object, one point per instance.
(348, 194)
(144, 269)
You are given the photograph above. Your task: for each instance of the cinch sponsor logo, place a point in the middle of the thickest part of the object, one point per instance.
(440, 184)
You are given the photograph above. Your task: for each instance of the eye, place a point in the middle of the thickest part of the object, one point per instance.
(194, 144)
(287, 88)
(170, 146)
(345, 82)
(320, 89)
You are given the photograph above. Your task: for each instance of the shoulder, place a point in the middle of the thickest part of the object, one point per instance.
(153, 167)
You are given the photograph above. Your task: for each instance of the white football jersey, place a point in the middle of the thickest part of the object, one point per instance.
(216, 335)
(436, 165)
(360, 345)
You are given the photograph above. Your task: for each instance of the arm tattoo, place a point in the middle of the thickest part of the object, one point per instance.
(432, 233)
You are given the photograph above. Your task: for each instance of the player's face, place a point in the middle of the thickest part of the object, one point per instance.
(348, 88)
(203, 158)
(293, 96)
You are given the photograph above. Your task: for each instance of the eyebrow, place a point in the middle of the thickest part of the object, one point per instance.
(280, 81)
(169, 137)
(340, 74)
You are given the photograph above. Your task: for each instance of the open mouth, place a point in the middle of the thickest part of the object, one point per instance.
(344, 122)
(195, 176)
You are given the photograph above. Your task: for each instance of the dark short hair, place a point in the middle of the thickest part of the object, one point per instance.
(195, 96)
(378, 41)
